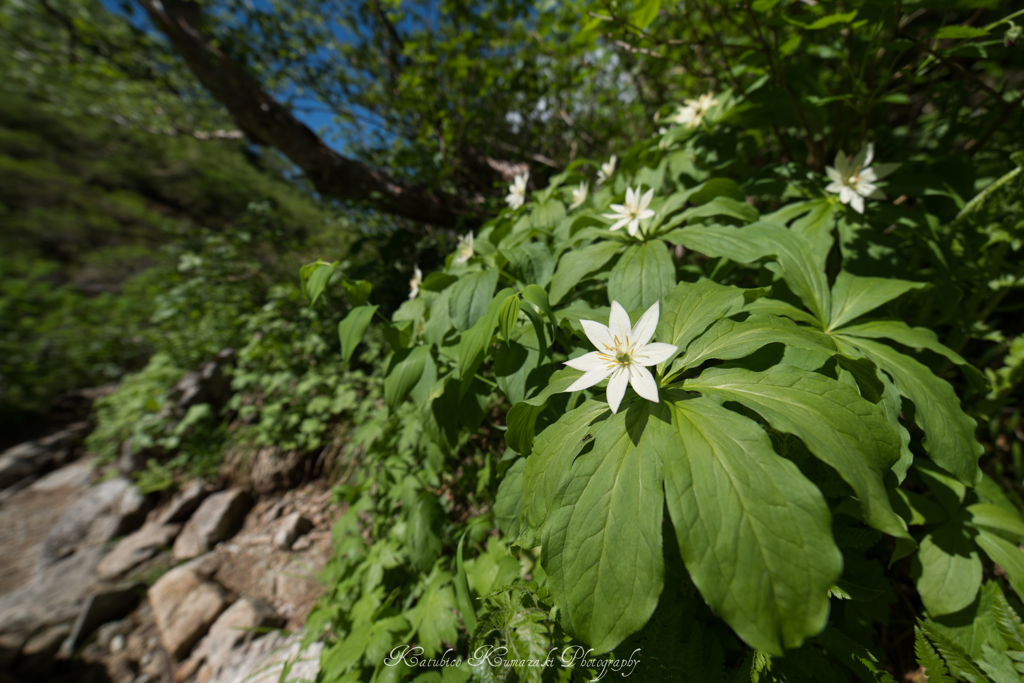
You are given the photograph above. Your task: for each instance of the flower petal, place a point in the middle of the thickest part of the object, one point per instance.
(589, 379)
(655, 353)
(842, 164)
(599, 335)
(857, 203)
(618, 322)
(834, 188)
(846, 194)
(589, 361)
(645, 201)
(623, 222)
(645, 214)
(643, 382)
(645, 326)
(884, 170)
(634, 225)
(833, 174)
(617, 387)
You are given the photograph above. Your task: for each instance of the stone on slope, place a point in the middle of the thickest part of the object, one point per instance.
(218, 518)
(289, 529)
(234, 627)
(100, 608)
(135, 549)
(264, 661)
(33, 457)
(109, 509)
(185, 605)
(184, 503)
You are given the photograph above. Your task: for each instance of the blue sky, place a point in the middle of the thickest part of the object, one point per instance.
(309, 111)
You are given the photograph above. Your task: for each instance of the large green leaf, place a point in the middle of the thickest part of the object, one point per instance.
(577, 264)
(602, 546)
(916, 338)
(644, 275)
(522, 416)
(1006, 555)
(728, 339)
(949, 432)
(755, 534)
(553, 453)
(817, 226)
(947, 569)
(797, 263)
(853, 296)
(838, 426)
(532, 261)
(691, 307)
(470, 297)
(403, 372)
(318, 281)
(352, 329)
(892, 405)
(996, 517)
(475, 340)
(517, 364)
(508, 504)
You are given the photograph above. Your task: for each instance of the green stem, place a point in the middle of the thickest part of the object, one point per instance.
(486, 381)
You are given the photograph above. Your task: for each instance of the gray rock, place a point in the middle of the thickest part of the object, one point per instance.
(207, 384)
(98, 507)
(55, 595)
(34, 457)
(135, 549)
(109, 632)
(184, 503)
(100, 608)
(234, 627)
(271, 469)
(76, 474)
(46, 643)
(264, 661)
(184, 606)
(290, 529)
(218, 518)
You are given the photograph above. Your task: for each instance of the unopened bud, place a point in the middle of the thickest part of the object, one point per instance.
(1012, 35)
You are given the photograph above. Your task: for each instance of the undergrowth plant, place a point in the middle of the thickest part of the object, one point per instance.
(722, 419)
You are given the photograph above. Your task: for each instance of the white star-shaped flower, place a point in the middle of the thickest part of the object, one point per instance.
(415, 282)
(693, 111)
(606, 170)
(464, 250)
(579, 195)
(633, 211)
(684, 116)
(517, 191)
(854, 179)
(623, 353)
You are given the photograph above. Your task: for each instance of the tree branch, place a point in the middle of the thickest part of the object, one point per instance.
(265, 121)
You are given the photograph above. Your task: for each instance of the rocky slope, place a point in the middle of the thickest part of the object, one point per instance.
(101, 583)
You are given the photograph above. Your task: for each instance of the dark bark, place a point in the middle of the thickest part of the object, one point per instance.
(267, 122)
